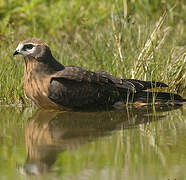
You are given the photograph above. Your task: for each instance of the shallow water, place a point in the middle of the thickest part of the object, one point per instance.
(141, 144)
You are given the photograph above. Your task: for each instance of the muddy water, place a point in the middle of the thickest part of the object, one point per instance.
(140, 143)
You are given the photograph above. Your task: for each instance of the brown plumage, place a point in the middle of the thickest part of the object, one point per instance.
(54, 86)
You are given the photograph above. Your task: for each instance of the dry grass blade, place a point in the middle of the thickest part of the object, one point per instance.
(141, 65)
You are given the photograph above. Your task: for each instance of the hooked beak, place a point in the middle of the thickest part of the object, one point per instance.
(15, 53)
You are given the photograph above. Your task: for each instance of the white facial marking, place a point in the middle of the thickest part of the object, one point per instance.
(20, 48)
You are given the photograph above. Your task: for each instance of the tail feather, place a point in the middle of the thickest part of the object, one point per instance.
(157, 97)
(144, 85)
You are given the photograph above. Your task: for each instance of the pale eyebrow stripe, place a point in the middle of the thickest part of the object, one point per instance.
(19, 47)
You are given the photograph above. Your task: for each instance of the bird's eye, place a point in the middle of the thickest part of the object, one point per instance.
(28, 46)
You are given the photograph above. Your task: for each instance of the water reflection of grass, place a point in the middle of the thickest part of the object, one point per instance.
(146, 43)
(12, 146)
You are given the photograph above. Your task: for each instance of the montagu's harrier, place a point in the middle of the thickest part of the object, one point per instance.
(54, 86)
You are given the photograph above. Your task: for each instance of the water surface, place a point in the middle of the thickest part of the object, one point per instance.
(133, 143)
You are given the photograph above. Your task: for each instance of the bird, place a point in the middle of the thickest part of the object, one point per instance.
(51, 85)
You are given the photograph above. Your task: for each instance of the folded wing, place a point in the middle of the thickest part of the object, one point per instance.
(76, 87)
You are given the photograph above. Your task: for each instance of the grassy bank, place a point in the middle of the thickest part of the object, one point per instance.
(144, 40)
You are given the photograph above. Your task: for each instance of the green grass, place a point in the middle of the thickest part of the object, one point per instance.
(148, 42)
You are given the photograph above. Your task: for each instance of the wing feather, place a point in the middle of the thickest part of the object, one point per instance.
(99, 77)
(144, 85)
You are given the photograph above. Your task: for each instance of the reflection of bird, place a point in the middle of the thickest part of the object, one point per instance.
(49, 133)
(54, 86)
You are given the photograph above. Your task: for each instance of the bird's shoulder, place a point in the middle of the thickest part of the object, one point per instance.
(79, 74)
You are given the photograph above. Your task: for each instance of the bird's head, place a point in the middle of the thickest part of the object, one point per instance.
(34, 48)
